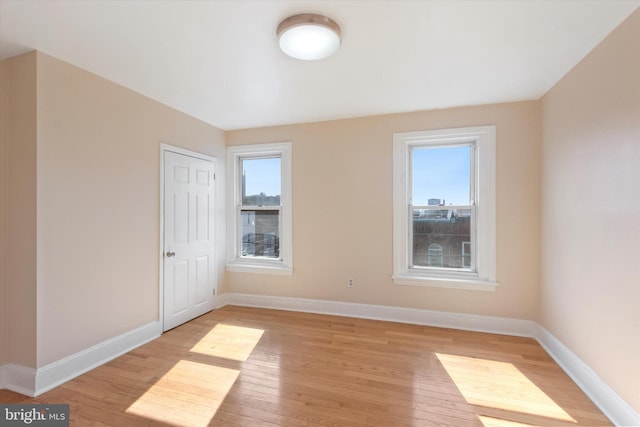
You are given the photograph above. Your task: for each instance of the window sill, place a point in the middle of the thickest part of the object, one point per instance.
(260, 268)
(465, 283)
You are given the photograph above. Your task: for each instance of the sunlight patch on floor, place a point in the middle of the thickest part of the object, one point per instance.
(499, 385)
(188, 394)
(229, 342)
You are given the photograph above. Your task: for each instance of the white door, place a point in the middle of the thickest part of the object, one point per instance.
(188, 251)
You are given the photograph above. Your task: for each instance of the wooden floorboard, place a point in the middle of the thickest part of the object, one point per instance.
(240, 366)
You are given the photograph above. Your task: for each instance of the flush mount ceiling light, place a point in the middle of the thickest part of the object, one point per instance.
(309, 36)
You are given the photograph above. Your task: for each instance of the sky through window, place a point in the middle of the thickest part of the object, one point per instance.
(441, 173)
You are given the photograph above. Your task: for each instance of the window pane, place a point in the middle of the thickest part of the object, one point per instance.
(260, 233)
(435, 255)
(261, 181)
(441, 176)
(440, 241)
(466, 254)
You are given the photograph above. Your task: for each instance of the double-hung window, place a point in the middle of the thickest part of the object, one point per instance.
(444, 208)
(259, 214)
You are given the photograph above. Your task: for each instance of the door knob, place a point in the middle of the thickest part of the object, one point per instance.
(170, 254)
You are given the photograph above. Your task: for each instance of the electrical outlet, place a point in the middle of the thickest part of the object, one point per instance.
(351, 283)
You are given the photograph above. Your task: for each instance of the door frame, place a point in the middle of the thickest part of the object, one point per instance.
(173, 149)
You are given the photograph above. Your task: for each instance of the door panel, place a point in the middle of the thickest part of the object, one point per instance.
(202, 217)
(202, 275)
(180, 293)
(188, 256)
(180, 212)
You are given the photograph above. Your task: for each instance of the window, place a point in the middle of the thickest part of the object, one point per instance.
(444, 208)
(259, 208)
(259, 186)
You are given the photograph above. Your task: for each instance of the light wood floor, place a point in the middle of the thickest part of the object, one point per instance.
(250, 367)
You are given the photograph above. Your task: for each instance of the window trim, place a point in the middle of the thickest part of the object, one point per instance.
(484, 278)
(235, 262)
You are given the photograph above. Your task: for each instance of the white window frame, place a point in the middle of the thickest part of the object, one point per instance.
(235, 262)
(482, 275)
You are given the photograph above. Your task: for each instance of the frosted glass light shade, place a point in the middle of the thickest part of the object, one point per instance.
(309, 36)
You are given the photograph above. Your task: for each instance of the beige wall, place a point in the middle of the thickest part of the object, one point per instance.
(4, 204)
(18, 213)
(95, 199)
(590, 281)
(98, 205)
(342, 211)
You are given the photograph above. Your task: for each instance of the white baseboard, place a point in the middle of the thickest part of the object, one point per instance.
(33, 382)
(70, 367)
(18, 378)
(615, 408)
(467, 322)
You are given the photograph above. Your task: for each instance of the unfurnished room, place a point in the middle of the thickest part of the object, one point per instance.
(320, 213)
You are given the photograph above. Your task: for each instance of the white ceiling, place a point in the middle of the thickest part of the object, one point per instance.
(219, 60)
